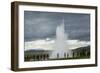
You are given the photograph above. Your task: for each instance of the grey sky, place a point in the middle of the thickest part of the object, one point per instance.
(41, 25)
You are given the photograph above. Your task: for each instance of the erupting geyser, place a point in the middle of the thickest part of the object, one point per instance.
(61, 49)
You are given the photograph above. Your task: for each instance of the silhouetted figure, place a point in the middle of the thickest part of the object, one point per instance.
(64, 55)
(57, 55)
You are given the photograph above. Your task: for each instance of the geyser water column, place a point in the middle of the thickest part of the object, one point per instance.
(61, 47)
(60, 43)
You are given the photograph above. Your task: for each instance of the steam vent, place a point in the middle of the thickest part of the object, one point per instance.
(61, 48)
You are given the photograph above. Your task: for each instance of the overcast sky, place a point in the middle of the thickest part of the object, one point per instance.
(42, 25)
